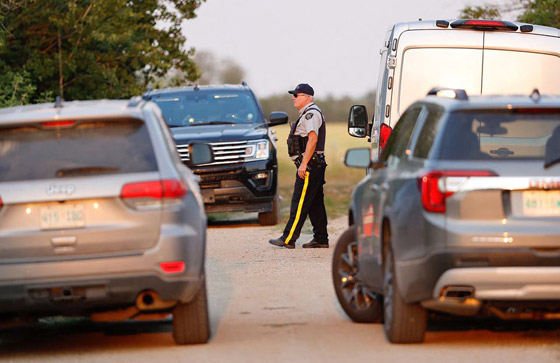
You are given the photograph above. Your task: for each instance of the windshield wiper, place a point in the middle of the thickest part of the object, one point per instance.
(94, 169)
(214, 123)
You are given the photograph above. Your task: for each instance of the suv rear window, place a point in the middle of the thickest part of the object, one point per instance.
(34, 152)
(520, 134)
(203, 107)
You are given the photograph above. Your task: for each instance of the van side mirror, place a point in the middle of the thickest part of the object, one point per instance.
(357, 121)
(199, 153)
(277, 118)
(358, 158)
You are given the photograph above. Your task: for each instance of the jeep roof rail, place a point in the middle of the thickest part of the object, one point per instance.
(458, 94)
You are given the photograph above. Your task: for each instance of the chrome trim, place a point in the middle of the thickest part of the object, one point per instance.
(465, 184)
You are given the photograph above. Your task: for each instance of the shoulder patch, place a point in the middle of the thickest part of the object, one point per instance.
(308, 116)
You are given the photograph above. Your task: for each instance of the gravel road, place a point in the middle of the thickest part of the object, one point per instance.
(270, 304)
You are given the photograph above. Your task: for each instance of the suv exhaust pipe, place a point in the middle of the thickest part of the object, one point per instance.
(148, 306)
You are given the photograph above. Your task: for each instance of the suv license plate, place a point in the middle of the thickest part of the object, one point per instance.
(541, 203)
(62, 216)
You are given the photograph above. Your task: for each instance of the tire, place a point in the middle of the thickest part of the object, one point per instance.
(404, 322)
(191, 323)
(273, 217)
(359, 302)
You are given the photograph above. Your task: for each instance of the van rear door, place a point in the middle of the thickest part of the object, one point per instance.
(517, 63)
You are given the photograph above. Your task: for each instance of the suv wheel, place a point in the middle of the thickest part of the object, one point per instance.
(271, 218)
(191, 324)
(404, 323)
(360, 303)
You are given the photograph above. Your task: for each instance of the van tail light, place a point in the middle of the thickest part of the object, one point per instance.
(437, 186)
(153, 194)
(484, 25)
(1, 203)
(384, 133)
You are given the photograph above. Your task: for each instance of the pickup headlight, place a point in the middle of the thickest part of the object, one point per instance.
(260, 150)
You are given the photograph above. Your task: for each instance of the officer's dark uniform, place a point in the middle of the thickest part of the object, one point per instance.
(308, 197)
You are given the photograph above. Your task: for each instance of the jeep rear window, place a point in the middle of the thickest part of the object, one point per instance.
(192, 108)
(519, 134)
(44, 151)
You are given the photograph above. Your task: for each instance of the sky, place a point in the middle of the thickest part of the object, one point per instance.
(331, 44)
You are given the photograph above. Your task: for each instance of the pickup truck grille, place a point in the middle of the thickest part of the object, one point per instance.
(224, 152)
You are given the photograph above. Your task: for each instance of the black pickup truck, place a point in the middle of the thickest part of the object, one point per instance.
(244, 174)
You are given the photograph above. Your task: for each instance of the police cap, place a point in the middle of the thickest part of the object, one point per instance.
(302, 88)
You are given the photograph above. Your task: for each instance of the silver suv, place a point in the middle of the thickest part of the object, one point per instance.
(99, 217)
(460, 215)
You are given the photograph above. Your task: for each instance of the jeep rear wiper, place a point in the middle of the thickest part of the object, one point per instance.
(214, 123)
(94, 169)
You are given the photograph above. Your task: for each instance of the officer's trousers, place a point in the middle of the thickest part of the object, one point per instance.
(308, 199)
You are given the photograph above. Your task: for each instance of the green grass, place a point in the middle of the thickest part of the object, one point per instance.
(340, 178)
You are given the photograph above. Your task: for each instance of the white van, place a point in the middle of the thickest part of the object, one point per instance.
(479, 56)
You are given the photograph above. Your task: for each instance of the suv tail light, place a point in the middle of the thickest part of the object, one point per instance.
(437, 186)
(1, 203)
(384, 133)
(153, 194)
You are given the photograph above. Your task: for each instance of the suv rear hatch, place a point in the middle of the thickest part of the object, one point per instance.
(499, 190)
(62, 185)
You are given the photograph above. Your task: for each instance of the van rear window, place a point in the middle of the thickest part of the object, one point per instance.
(501, 135)
(48, 150)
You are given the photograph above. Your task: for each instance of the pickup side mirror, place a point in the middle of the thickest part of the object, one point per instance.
(358, 121)
(200, 153)
(277, 118)
(358, 158)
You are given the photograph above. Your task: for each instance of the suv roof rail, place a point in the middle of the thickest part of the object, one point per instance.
(458, 94)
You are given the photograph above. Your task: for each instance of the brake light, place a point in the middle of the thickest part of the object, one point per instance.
(57, 124)
(384, 133)
(173, 267)
(484, 25)
(152, 194)
(437, 186)
(1, 203)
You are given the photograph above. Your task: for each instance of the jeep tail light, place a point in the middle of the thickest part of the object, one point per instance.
(384, 133)
(153, 194)
(172, 267)
(437, 186)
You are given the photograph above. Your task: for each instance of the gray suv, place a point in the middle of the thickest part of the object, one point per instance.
(460, 214)
(99, 217)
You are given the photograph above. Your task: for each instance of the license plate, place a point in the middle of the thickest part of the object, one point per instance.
(62, 216)
(541, 203)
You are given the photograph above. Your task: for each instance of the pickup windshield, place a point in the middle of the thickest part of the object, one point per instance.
(194, 107)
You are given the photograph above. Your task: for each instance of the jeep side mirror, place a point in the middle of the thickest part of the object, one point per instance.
(200, 153)
(358, 158)
(357, 121)
(277, 118)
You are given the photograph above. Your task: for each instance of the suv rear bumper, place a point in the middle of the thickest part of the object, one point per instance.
(82, 285)
(418, 279)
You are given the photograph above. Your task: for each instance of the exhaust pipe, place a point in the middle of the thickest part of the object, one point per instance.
(457, 292)
(150, 300)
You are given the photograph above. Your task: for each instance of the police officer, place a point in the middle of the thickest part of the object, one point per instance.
(306, 146)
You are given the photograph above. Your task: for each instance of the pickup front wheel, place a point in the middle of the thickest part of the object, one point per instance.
(359, 302)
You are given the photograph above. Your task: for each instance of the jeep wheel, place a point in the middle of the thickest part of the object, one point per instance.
(191, 324)
(271, 218)
(404, 322)
(360, 303)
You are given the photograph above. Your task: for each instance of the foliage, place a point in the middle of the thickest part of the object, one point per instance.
(84, 49)
(489, 12)
(542, 12)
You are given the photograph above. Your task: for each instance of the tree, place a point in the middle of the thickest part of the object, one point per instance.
(489, 12)
(85, 49)
(542, 12)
